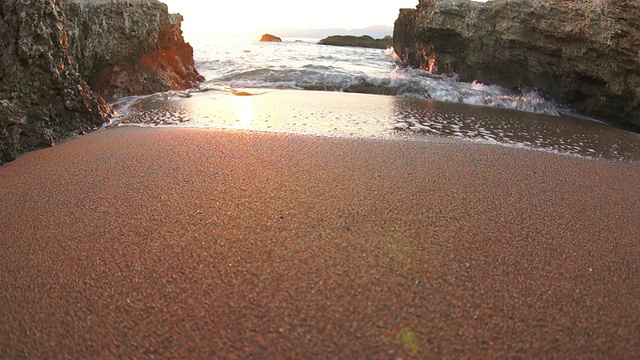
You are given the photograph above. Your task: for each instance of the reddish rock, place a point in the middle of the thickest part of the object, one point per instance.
(131, 50)
(270, 38)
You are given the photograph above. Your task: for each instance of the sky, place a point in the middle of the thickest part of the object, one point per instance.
(254, 17)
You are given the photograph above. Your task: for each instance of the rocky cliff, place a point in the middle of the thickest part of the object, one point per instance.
(129, 47)
(583, 53)
(57, 57)
(42, 96)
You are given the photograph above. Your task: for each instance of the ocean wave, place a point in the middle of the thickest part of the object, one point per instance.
(308, 66)
(400, 81)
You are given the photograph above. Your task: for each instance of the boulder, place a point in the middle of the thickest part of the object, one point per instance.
(270, 38)
(581, 53)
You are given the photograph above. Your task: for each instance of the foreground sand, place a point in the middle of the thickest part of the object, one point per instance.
(141, 243)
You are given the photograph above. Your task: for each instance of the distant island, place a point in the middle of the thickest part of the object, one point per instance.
(270, 38)
(378, 31)
(365, 41)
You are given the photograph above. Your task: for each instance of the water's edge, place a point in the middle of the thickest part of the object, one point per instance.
(340, 114)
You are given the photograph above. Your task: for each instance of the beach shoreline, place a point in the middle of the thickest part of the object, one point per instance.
(172, 242)
(337, 114)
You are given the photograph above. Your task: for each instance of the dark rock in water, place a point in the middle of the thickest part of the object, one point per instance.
(358, 41)
(42, 97)
(54, 52)
(581, 53)
(270, 38)
(130, 48)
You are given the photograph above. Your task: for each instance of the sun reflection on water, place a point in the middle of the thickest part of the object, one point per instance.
(372, 116)
(243, 110)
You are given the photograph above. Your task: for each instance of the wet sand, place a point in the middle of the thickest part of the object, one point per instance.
(166, 243)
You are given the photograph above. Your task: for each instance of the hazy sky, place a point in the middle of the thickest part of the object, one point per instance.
(252, 17)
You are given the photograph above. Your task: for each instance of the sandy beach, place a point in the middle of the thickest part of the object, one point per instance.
(166, 243)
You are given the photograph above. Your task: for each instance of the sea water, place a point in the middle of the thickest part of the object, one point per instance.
(306, 64)
(298, 86)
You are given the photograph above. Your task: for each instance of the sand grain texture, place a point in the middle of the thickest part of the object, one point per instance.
(138, 242)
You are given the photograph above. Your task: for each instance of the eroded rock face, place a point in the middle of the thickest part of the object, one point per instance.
(58, 56)
(583, 53)
(130, 47)
(42, 96)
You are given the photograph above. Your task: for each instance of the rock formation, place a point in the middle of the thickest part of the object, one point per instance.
(270, 38)
(364, 41)
(583, 53)
(130, 47)
(54, 52)
(42, 96)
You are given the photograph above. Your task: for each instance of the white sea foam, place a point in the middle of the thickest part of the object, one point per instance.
(304, 64)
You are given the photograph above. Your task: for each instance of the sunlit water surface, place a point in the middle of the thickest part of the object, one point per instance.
(300, 87)
(338, 114)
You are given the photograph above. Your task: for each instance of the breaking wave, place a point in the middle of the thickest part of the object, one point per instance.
(305, 64)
